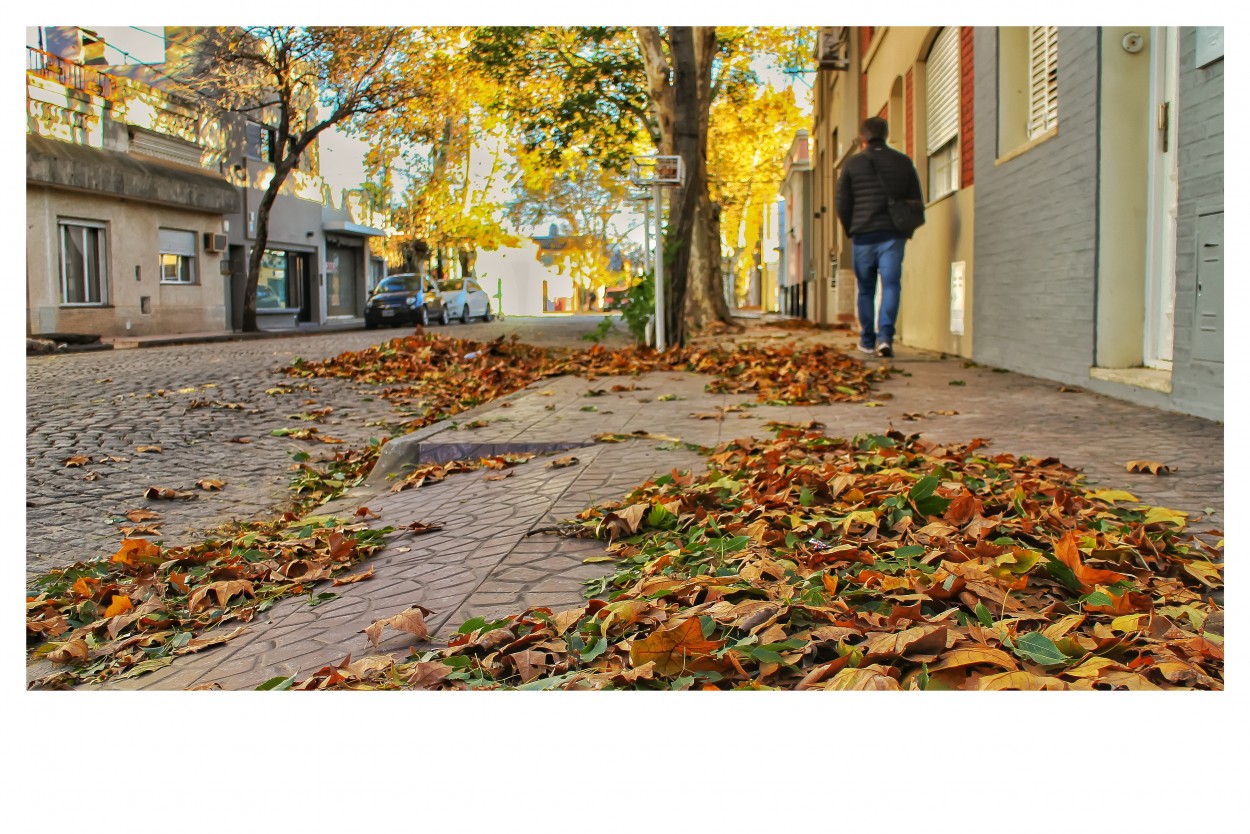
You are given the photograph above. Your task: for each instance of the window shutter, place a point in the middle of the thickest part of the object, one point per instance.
(175, 242)
(942, 89)
(1043, 79)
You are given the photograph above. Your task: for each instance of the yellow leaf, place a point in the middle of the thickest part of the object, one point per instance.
(1112, 495)
(1019, 680)
(1163, 515)
(1205, 572)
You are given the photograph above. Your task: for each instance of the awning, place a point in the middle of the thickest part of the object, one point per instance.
(348, 228)
(59, 164)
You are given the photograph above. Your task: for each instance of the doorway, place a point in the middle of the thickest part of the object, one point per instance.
(1161, 208)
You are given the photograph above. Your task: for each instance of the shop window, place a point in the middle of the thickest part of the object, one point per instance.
(177, 256)
(273, 291)
(83, 259)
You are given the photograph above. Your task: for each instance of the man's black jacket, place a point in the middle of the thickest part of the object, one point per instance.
(861, 202)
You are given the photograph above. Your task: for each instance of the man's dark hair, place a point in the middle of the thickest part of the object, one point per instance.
(874, 127)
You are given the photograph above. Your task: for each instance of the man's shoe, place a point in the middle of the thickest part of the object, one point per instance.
(885, 350)
(863, 348)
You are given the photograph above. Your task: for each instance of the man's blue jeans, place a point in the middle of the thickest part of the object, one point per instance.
(869, 260)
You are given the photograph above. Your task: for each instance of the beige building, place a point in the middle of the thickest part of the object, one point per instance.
(920, 80)
(124, 207)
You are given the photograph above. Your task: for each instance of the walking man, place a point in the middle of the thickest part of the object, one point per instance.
(874, 184)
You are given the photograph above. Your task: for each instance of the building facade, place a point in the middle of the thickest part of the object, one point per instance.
(1096, 221)
(322, 254)
(124, 206)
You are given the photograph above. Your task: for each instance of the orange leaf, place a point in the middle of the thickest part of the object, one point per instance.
(138, 516)
(222, 590)
(137, 552)
(1067, 552)
(209, 484)
(77, 460)
(672, 648)
(84, 587)
(120, 605)
(971, 657)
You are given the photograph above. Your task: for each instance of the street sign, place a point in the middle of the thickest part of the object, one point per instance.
(657, 170)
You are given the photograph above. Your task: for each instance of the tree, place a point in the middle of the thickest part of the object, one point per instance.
(605, 90)
(300, 81)
(583, 197)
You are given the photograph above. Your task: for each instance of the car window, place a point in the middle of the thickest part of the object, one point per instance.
(473, 287)
(399, 283)
(451, 284)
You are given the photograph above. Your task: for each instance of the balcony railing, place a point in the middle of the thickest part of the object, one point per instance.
(72, 75)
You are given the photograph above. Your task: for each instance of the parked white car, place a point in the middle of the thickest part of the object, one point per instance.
(463, 299)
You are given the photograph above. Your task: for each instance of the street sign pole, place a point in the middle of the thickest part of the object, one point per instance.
(657, 171)
(659, 270)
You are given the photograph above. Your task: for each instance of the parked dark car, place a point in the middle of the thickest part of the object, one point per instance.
(404, 299)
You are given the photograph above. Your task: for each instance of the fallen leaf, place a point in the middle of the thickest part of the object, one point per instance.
(214, 639)
(411, 621)
(1151, 466)
(148, 449)
(120, 605)
(71, 651)
(354, 578)
(138, 552)
(77, 460)
(209, 484)
(223, 591)
(672, 649)
(141, 515)
(870, 678)
(155, 493)
(498, 476)
(239, 440)
(561, 463)
(1019, 680)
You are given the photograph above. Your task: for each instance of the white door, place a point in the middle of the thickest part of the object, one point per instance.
(1161, 210)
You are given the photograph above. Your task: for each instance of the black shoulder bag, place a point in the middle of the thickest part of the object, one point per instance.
(906, 215)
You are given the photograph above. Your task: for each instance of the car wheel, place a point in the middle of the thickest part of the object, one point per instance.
(464, 315)
(444, 317)
(487, 316)
(423, 317)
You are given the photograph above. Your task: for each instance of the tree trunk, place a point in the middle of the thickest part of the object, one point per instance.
(267, 200)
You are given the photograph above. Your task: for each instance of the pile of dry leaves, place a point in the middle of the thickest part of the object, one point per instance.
(136, 612)
(442, 376)
(883, 562)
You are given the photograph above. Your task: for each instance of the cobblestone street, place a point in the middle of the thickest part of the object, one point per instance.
(107, 404)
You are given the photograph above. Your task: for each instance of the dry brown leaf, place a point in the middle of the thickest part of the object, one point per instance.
(155, 493)
(141, 515)
(561, 463)
(223, 590)
(239, 440)
(77, 460)
(201, 643)
(148, 449)
(71, 651)
(672, 649)
(498, 476)
(354, 578)
(209, 484)
(411, 621)
(1151, 466)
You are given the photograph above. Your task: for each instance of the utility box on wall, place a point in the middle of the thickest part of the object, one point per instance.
(957, 298)
(1209, 305)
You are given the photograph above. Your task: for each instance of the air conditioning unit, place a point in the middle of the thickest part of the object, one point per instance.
(832, 48)
(214, 243)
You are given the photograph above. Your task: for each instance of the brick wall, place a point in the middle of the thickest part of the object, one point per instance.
(909, 114)
(1197, 386)
(967, 87)
(1036, 215)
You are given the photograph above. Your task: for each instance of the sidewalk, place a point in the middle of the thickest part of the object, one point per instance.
(483, 563)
